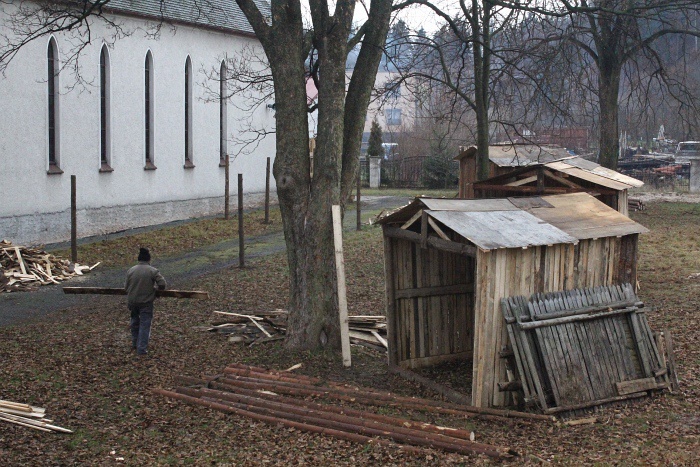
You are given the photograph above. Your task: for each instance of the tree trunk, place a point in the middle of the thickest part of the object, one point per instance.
(305, 201)
(608, 90)
(480, 24)
(360, 92)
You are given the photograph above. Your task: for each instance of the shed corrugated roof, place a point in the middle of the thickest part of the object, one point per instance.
(219, 14)
(523, 222)
(490, 230)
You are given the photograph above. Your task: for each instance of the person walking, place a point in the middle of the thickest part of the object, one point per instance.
(142, 281)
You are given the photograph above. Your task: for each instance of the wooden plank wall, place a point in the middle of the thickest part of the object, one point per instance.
(511, 272)
(436, 325)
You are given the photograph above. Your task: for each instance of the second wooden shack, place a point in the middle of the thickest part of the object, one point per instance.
(449, 263)
(529, 170)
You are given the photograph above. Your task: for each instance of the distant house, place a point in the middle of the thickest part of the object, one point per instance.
(146, 132)
(527, 170)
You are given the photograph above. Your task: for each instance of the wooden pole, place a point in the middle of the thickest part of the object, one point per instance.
(671, 361)
(359, 210)
(342, 293)
(241, 243)
(73, 220)
(226, 189)
(267, 192)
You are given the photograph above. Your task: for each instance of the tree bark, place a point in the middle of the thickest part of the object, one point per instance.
(608, 90)
(480, 25)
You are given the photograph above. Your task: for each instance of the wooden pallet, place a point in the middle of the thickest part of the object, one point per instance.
(584, 347)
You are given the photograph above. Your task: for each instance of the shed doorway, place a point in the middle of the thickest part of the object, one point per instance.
(434, 311)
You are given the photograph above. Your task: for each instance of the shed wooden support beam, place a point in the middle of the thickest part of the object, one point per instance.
(435, 291)
(561, 180)
(522, 181)
(437, 243)
(424, 230)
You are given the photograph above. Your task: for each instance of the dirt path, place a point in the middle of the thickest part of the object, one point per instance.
(19, 307)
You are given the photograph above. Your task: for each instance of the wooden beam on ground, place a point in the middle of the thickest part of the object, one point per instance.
(118, 291)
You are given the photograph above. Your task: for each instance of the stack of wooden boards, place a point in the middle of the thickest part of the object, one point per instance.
(634, 204)
(27, 415)
(22, 268)
(266, 326)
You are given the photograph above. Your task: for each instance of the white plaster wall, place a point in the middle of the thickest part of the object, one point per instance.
(35, 205)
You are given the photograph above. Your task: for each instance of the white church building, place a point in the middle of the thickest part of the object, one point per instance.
(138, 119)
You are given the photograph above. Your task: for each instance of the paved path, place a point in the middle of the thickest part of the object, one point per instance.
(17, 307)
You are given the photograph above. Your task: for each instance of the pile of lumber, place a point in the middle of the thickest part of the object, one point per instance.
(283, 398)
(22, 268)
(27, 415)
(268, 326)
(634, 204)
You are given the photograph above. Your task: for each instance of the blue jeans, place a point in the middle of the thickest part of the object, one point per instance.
(141, 317)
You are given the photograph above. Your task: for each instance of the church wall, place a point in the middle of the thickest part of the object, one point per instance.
(35, 205)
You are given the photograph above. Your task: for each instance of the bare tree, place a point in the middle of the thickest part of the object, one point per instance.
(306, 199)
(615, 34)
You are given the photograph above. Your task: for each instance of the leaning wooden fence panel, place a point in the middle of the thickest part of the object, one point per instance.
(583, 347)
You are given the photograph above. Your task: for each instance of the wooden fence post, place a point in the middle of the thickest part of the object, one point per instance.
(73, 220)
(267, 192)
(241, 243)
(342, 293)
(226, 188)
(359, 210)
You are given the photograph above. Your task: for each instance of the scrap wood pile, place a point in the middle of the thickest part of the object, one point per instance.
(634, 204)
(22, 268)
(27, 415)
(317, 406)
(267, 326)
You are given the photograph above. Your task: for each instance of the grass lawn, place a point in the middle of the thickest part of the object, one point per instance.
(77, 364)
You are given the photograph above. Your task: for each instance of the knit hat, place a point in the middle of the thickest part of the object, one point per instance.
(144, 254)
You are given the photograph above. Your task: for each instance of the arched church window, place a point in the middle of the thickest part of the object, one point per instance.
(53, 135)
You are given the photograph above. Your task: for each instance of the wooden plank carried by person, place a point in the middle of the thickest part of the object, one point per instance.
(119, 291)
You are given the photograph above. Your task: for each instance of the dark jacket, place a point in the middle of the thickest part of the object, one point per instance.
(141, 283)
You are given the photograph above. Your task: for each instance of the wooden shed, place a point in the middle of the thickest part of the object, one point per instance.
(528, 170)
(449, 263)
